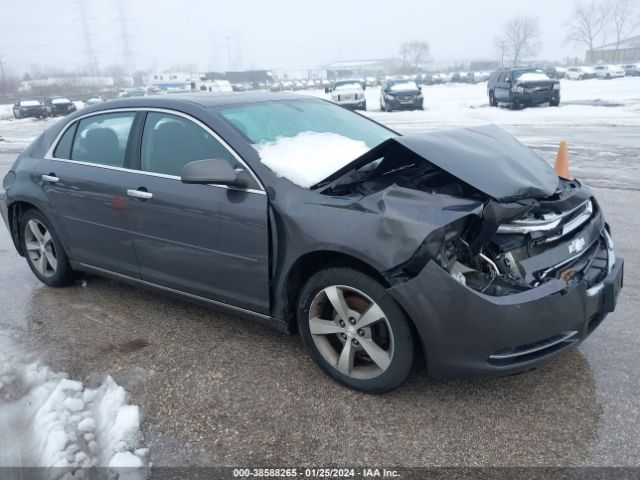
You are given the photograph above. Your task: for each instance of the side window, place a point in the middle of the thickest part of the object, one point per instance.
(169, 142)
(103, 138)
(63, 149)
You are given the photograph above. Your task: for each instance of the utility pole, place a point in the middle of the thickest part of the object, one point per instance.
(228, 52)
(4, 79)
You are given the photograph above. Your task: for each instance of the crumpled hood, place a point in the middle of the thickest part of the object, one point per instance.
(487, 158)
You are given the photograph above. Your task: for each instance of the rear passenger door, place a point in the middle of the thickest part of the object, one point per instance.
(84, 179)
(503, 86)
(206, 240)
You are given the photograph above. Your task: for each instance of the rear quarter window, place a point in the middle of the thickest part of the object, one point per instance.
(63, 149)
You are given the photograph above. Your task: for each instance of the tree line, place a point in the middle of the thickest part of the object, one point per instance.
(593, 23)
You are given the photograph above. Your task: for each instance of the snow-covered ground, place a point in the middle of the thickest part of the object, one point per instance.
(50, 421)
(588, 102)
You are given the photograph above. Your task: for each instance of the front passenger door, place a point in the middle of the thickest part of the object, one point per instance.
(205, 240)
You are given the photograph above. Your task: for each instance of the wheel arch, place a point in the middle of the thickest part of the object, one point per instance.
(311, 262)
(16, 210)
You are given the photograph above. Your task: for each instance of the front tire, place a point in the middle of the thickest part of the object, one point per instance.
(354, 330)
(44, 252)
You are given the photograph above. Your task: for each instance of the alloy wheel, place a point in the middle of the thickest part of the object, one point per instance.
(351, 332)
(40, 248)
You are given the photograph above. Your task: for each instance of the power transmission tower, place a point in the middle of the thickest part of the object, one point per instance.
(91, 62)
(125, 37)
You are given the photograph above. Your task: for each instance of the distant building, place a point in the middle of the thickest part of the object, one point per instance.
(478, 65)
(627, 51)
(33, 86)
(360, 68)
(173, 80)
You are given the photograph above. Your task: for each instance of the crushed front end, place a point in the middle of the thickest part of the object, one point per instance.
(520, 272)
(523, 282)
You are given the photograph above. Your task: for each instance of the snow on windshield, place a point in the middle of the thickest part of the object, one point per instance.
(403, 86)
(60, 100)
(29, 103)
(50, 421)
(348, 86)
(532, 77)
(309, 157)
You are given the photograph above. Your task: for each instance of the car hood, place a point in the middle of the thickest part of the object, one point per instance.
(487, 158)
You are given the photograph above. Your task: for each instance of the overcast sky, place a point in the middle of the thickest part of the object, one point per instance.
(265, 33)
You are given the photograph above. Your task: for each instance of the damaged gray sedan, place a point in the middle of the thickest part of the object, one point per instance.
(463, 247)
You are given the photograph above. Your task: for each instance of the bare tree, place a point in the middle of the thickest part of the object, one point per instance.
(501, 46)
(625, 18)
(520, 38)
(588, 24)
(415, 53)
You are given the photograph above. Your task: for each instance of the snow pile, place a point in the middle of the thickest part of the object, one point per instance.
(6, 112)
(50, 421)
(309, 157)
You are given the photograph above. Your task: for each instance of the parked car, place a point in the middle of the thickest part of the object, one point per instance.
(29, 108)
(93, 101)
(608, 71)
(580, 73)
(519, 87)
(463, 244)
(632, 69)
(556, 72)
(348, 93)
(401, 95)
(59, 106)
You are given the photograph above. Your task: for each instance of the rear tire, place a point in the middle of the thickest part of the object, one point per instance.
(44, 251)
(492, 99)
(371, 350)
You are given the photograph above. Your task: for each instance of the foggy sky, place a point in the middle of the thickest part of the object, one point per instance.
(267, 33)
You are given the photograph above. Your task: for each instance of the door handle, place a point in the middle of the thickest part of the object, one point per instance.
(51, 178)
(141, 194)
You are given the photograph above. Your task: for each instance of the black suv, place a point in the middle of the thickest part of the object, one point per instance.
(520, 86)
(29, 108)
(59, 106)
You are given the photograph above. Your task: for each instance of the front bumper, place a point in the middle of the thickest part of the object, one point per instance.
(353, 104)
(398, 104)
(464, 332)
(535, 98)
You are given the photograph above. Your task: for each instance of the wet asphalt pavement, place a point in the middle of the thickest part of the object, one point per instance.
(215, 389)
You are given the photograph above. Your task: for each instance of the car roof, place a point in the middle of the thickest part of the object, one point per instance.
(206, 100)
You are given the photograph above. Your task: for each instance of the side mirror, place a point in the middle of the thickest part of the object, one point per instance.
(327, 90)
(214, 171)
(419, 88)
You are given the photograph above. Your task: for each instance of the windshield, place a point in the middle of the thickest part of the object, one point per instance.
(347, 85)
(530, 75)
(402, 85)
(305, 140)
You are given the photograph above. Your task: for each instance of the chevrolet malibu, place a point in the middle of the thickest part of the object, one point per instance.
(462, 247)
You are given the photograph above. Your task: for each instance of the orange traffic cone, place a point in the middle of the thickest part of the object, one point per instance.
(562, 161)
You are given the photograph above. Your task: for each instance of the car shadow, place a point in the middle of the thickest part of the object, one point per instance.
(215, 389)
